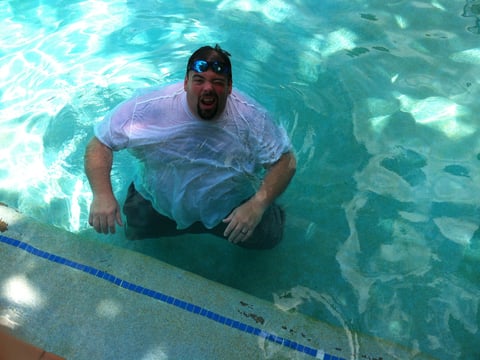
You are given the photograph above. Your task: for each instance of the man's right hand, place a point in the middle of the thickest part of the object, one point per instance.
(104, 213)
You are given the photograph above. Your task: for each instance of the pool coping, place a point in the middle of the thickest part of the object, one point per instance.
(128, 305)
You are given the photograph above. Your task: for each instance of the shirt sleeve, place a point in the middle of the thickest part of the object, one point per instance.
(113, 130)
(272, 140)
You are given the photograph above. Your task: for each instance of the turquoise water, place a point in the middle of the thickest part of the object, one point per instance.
(379, 98)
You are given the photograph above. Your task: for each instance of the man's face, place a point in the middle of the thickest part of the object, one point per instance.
(207, 93)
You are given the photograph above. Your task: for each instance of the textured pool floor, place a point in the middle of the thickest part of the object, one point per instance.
(84, 300)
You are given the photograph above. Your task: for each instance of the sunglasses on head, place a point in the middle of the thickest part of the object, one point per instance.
(218, 67)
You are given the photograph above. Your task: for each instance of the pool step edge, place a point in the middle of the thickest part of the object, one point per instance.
(259, 329)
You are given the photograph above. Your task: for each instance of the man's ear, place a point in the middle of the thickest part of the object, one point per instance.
(185, 82)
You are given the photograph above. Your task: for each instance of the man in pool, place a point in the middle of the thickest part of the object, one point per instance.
(210, 161)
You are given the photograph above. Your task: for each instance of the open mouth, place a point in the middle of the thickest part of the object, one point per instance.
(208, 101)
(207, 106)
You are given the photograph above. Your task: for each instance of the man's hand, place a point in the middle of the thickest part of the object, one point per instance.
(104, 213)
(243, 220)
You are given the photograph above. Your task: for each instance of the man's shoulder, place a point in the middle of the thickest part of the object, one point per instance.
(245, 106)
(240, 98)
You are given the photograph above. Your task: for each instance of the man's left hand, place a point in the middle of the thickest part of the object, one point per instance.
(242, 221)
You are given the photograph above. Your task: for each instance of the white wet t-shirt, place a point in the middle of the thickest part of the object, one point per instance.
(192, 169)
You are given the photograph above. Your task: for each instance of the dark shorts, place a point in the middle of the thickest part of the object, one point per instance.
(143, 222)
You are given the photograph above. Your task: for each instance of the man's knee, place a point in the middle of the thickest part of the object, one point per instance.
(143, 221)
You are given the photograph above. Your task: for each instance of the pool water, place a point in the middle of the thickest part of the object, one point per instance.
(379, 98)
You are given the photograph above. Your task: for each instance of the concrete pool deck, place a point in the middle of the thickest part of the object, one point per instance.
(81, 299)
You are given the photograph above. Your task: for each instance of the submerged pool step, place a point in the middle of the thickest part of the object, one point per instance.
(82, 299)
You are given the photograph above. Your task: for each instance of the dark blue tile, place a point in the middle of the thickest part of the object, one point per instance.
(132, 287)
(157, 295)
(263, 334)
(271, 337)
(80, 267)
(181, 304)
(209, 314)
(146, 291)
(39, 253)
(106, 276)
(250, 329)
(139, 289)
(15, 243)
(160, 296)
(125, 284)
(68, 263)
(151, 293)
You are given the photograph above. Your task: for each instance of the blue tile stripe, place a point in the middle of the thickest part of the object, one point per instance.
(192, 308)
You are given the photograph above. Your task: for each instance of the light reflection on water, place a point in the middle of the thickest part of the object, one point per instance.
(378, 98)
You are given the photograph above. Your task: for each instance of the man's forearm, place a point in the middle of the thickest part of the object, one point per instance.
(276, 180)
(104, 210)
(98, 165)
(243, 219)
